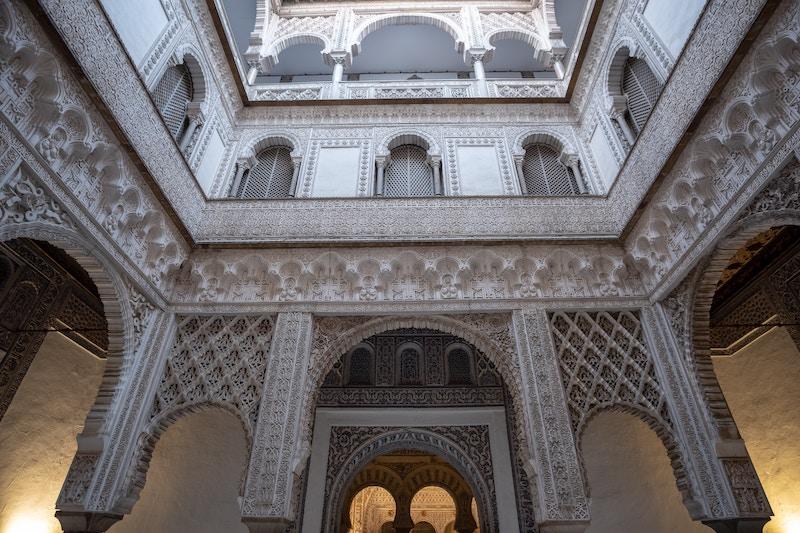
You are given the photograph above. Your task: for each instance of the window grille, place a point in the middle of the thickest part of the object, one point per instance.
(271, 177)
(408, 173)
(360, 367)
(458, 367)
(545, 175)
(409, 367)
(642, 88)
(171, 95)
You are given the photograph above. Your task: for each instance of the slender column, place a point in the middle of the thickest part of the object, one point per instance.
(518, 160)
(187, 134)
(617, 107)
(403, 523)
(573, 162)
(464, 523)
(476, 56)
(553, 460)
(558, 66)
(252, 74)
(380, 164)
(296, 161)
(242, 164)
(196, 118)
(436, 164)
(339, 60)
(267, 501)
(620, 119)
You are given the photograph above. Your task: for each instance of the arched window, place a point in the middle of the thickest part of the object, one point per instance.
(172, 95)
(270, 177)
(545, 175)
(360, 367)
(641, 87)
(409, 173)
(409, 367)
(459, 371)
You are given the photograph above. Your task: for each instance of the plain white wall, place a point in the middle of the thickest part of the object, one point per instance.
(207, 170)
(337, 171)
(672, 21)
(631, 484)
(139, 24)
(194, 478)
(479, 170)
(760, 384)
(37, 433)
(606, 163)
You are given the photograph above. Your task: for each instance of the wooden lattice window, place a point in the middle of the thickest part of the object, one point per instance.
(545, 175)
(270, 177)
(172, 95)
(642, 88)
(408, 173)
(459, 368)
(360, 367)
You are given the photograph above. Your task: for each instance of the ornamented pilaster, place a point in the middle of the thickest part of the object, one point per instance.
(99, 481)
(726, 488)
(268, 490)
(563, 503)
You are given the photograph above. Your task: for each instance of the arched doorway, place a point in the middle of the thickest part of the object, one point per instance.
(423, 397)
(630, 479)
(54, 344)
(753, 339)
(372, 510)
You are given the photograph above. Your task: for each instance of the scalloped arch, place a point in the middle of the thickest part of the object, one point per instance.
(295, 39)
(382, 21)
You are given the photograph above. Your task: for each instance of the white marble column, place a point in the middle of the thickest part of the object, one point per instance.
(380, 166)
(476, 56)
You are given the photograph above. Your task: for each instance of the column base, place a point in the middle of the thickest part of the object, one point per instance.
(266, 525)
(569, 527)
(85, 522)
(737, 525)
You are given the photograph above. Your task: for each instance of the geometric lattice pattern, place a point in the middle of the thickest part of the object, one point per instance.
(271, 177)
(408, 173)
(603, 361)
(544, 174)
(642, 88)
(171, 96)
(219, 358)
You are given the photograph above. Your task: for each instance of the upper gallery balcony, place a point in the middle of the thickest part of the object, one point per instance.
(332, 50)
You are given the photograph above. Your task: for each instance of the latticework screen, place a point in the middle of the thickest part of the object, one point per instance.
(408, 173)
(642, 88)
(171, 95)
(271, 177)
(544, 174)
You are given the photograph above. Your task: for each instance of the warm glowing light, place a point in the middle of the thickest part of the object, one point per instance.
(792, 524)
(27, 524)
